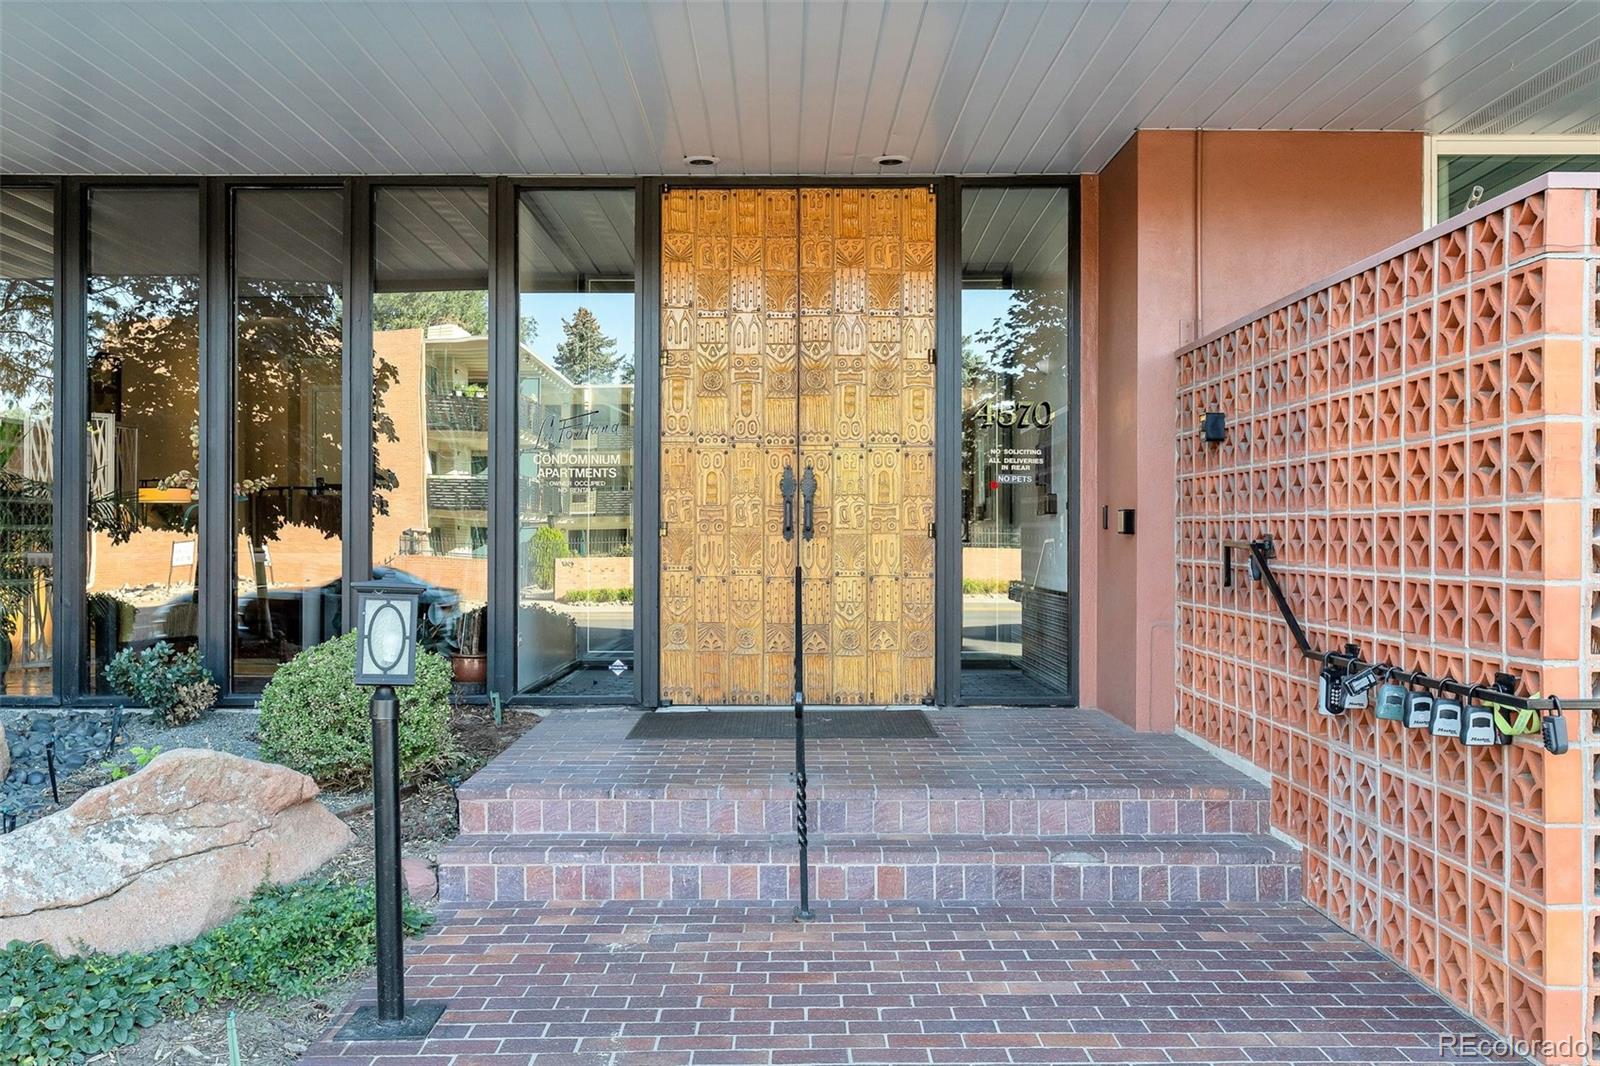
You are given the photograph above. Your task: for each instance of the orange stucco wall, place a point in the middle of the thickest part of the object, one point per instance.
(1279, 210)
(1193, 230)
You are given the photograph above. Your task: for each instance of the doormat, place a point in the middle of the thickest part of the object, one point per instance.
(906, 724)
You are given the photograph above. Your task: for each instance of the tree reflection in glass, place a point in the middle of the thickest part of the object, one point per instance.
(143, 340)
(27, 410)
(288, 435)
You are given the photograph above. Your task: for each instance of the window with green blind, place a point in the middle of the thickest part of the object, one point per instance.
(1468, 180)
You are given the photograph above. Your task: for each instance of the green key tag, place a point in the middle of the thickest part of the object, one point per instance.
(1514, 721)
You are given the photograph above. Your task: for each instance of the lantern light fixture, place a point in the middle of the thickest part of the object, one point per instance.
(386, 627)
(386, 657)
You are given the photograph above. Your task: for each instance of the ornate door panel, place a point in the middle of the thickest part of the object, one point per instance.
(866, 427)
(796, 330)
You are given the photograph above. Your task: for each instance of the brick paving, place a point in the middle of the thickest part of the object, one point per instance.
(1022, 773)
(1136, 868)
(1068, 753)
(1005, 805)
(705, 984)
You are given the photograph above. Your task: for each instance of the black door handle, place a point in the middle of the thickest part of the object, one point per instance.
(808, 488)
(786, 485)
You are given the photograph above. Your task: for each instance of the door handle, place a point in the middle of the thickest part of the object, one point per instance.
(787, 485)
(808, 489)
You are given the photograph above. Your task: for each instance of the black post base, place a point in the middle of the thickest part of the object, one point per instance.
(418, 1022)
(804, 914)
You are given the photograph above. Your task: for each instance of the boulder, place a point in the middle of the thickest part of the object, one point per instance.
(420, 881)
(162, 855)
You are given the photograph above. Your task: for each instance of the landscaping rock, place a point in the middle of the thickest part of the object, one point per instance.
(421, 883)
(163, 855)
(77, 739)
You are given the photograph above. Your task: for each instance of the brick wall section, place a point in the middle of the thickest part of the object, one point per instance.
(1420, 437)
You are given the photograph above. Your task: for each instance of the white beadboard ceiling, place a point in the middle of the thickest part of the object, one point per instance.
(608, 87)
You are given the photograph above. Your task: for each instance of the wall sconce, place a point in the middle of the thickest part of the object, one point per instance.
(1214, 427)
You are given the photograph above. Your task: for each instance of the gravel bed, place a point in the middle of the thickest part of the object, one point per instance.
(231, 731)
(83, 739)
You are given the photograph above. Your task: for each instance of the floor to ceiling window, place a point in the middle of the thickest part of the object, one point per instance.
(575, 461)
(1016, 445)
(143, 348)
(430, 376)
(288, 264)
(27, 413)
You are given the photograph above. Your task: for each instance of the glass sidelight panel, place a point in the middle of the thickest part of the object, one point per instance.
(430, 401)
(27, 413)
(1016, 449)
(575, 462)
(288, 440)
(143, 341)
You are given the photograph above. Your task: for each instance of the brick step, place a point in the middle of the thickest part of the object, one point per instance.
(1149, 869)
(1025, 811)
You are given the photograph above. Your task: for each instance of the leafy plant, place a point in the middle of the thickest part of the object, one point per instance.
(315, 718)
(544, 548)
(290, 941)
(983, 586)
(142, 757)
(176, 685)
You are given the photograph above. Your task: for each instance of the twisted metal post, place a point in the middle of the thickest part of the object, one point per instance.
(802, 913)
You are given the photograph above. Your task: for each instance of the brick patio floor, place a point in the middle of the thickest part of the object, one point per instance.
(718, 984)
(1013, 805)
(1068, 752)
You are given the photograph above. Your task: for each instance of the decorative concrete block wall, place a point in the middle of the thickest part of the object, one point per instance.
(1419, 437)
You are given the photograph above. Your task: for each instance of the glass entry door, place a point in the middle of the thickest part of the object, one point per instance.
(797, 336)
(1018, 446)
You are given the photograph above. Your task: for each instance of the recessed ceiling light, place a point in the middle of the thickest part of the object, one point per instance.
(700, 160)
(890, 160)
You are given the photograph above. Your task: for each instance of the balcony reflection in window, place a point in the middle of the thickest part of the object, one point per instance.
(27, 413)
(575, 371)
(430, 368)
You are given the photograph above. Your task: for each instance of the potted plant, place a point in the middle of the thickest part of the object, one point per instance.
(469, 662)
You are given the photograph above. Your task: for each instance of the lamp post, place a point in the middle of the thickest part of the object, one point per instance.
(386, 657)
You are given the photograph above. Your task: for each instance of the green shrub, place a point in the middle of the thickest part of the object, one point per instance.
(618, 595)
(546, 546)
(315, 719)
(983, 586)
(175, 685)
(290, 941)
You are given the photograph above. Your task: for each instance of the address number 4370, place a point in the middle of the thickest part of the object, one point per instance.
(1022, 414)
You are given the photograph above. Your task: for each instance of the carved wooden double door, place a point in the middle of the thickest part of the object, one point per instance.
(797, 337)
